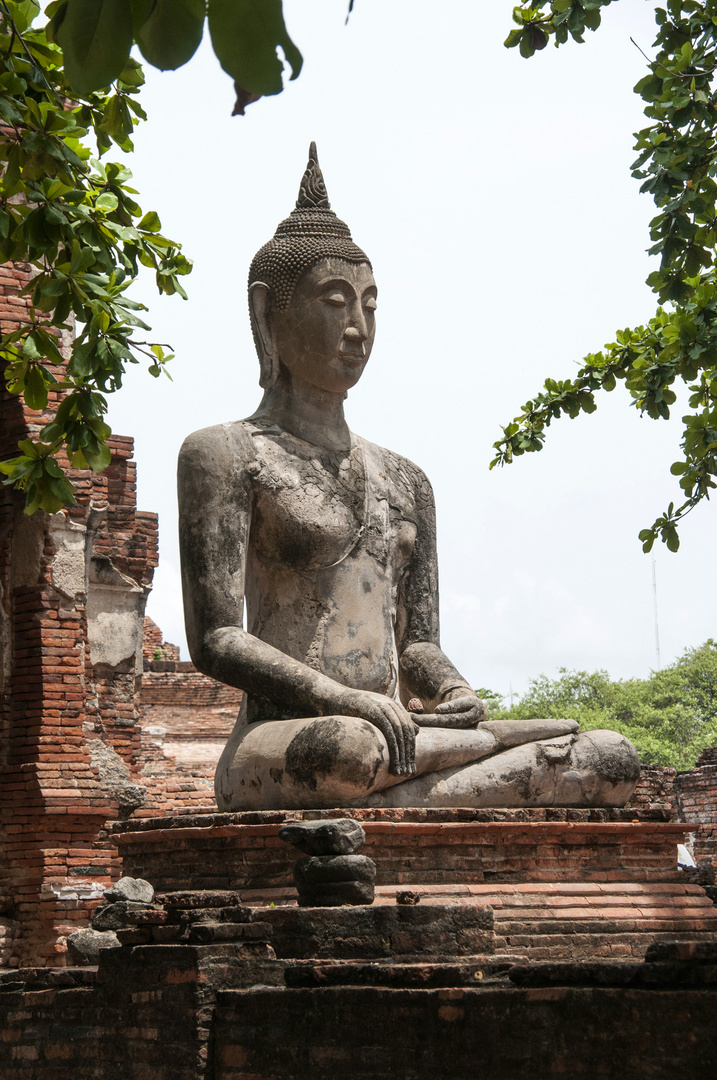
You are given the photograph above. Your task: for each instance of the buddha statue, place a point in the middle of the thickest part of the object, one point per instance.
(330, 541)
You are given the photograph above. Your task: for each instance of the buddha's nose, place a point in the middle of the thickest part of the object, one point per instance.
(355, 333)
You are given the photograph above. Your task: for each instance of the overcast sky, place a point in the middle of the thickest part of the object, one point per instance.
(494, 198)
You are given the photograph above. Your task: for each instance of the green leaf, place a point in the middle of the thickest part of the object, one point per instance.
(35, 389)
(150, 222)
(245, 36)
(23, 13)
(648, 539)
(107, 202)
(98, 459)
(141, 10)
(95, 37)
(527, 49)
(172, 33)
(669, 535)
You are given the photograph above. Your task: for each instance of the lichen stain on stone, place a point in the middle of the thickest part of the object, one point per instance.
(313, 752)
(316, 751)
(616, 768)
(520, 779)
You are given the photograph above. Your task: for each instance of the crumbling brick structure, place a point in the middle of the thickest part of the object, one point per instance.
(186, 719)
(73, 587)
(696, 800)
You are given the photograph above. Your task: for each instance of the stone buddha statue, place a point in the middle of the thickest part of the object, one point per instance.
(330, 542)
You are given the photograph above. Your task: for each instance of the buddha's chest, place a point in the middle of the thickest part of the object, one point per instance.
(312, 508)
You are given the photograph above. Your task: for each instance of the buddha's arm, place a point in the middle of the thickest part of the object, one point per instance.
(426, 672)
(215, 500)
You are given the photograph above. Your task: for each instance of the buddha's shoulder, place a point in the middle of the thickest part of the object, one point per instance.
(218, 443)
(405, 475)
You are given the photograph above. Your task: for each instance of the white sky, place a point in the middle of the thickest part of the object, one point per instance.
(494, 198)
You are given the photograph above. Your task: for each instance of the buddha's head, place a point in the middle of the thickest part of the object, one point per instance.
(309, 267)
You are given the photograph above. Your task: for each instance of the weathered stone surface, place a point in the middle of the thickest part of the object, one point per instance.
(333, 540)
(333, 880)
(128, 888)
(116, 777)
(85, 945)
(114, 916)
(340, 836)
(336, 894)
(317, 869)
(428, 931)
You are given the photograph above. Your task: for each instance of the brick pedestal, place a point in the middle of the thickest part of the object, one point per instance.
(561, 884)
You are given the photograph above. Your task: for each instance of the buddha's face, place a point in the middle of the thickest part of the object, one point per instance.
(324, 338)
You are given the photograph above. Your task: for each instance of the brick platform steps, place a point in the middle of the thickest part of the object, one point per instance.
(576, 921)
(243, 851)
(218, 1012)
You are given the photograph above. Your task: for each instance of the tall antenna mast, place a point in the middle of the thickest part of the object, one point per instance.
(654, 606)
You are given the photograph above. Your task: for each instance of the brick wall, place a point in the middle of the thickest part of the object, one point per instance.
(72, 591)
(154, 647)
(696, 800)
(186, 720)
(165, 1012)
(654, 788)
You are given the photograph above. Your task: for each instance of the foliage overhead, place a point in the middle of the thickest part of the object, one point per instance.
(670, 717)
(677, 165)
(96, 37)
(74, 219)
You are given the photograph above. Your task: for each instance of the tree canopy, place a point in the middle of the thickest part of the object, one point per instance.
(676, 164)
(73, 217)
(96, 37)
(670, 717)
(68, 94)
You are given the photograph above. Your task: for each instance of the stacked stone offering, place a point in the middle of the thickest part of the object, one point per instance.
(332, 874)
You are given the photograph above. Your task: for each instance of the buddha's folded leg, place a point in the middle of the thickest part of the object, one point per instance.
(312, 763)
(322, 762)
(592, 768)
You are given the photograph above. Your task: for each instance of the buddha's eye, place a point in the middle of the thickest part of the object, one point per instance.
(370, 303)
(336, 299)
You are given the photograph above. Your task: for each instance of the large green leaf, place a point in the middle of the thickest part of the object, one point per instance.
(245, 36)
(23, 12)
(171, 34)
(95, 37)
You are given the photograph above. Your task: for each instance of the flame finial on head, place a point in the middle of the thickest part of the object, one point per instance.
(311, 232)
(312, 192)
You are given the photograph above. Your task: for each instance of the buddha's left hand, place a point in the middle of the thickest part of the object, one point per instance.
(465, 710)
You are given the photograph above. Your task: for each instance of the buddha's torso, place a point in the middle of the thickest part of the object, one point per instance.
(331, 536)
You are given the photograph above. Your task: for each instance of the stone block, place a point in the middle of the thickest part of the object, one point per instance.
(129, 888)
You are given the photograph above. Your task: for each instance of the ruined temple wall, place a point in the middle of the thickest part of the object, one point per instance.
(655, 788)
(72, 591)
(186, 719)
(71, 736)
(696, 800)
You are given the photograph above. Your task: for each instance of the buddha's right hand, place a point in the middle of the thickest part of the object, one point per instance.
(395, 724)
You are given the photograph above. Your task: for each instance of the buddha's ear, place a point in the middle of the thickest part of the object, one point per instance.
(259, 311)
